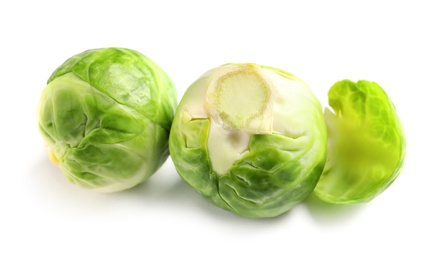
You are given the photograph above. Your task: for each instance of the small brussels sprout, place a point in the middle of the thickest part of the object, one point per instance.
(250, 139)
(366, 143)
(105, 115)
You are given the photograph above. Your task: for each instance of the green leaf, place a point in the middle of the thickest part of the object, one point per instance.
(366, 146)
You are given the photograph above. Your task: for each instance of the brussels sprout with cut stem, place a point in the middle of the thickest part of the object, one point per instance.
(366, 143)
(250, 139)
(105, 115)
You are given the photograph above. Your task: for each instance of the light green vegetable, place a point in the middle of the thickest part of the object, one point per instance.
(366, 143)
(250, 139)
(105, 115)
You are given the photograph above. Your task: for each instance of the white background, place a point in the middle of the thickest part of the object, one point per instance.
(395, 43)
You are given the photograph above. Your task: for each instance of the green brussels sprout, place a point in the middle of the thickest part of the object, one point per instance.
(250, 139)
(105, 115)
(366, 143)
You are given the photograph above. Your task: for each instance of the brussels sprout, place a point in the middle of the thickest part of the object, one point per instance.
(250, 139)
(105, 115)
(366, 143)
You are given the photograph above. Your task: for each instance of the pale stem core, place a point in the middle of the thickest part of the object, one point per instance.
(239, 105)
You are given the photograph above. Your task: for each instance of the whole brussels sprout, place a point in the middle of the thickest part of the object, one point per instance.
(105, 115)
(366, 143)
(250, 139)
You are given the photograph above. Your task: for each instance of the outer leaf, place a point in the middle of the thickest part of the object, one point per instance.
(366, 143)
